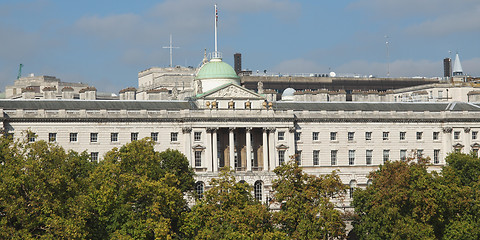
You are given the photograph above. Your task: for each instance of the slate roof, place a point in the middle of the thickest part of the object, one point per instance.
(96, 104)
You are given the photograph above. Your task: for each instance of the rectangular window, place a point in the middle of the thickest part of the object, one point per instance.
(440, 94)
(386, 155)
(333, 157)
(436, 156)
(474, 135)
(351, 136)
(73, 137)
(31, 137)
(315, 136)
(456, 135)
(134, 136)
(281, 136)
(436, 135)
(94, 156)
(403, 135)
(52, 137)
(174, 136)
(419, 135)
(351, 157)
(316, 157)
(368, 136)
(198, 158)
(419, 153)
(197, 136)
(333, 136)
(385, 136)
(93, 137)
(281, 157)
(368, 157)
(403, 154)
(154, 136)
(298, 136)
(114, 137)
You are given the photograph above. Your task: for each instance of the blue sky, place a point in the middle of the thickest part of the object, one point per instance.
(105, 43)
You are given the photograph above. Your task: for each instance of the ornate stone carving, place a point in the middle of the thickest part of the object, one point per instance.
(248, 129)
(260, 87)
(466, 129)
(291, 129)
(187, 130)
(447, 130)
(174, 93)
(233, 91)
(231, 129)
(272, 129)
(199, 87)
(211, 129)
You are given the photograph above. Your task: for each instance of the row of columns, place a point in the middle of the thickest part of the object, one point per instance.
(269, 151)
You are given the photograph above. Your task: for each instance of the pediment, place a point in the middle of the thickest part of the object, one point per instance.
(198, 147)
(282, 147)
(231, 91)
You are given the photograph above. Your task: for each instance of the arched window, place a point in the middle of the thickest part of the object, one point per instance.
(369, 182)
(353, 185)
(199, 186)
(257, 190)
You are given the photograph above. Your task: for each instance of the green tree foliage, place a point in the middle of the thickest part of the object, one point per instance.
(228, 211)
(135, 193)
(306, 211)
(42, 191)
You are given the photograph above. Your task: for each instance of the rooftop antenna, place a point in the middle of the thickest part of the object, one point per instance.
(388, 57)
(171, 53)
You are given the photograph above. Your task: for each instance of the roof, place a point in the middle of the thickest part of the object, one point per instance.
(367, 106)
(216, 69)
(96, 104)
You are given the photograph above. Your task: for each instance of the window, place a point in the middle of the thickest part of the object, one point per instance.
(134, 136)
(386, 155)
(316, 159)
(333, 136)
(403, 154)
(31, 137)
(474, 135)
(419, 135)
(199, 187)
(435, 135)
(351, 157)
(281, 136)
(197, 136)
(368, 136)
(315, 136)
(333, 157)
(114, 137)
(298, 136)
(73, 137)
(403, 135)
(440, 94)
(281, 157)
(257, 188)
(52, 137)
(419, 153)
(236, 162)
(436, 156)
(198, 158)
(456, 135)
(351, 136)
(385, 136)
(353, 185)
(368, 157)
(93, 137)
(174, 136)
(94, 156)
(154, 136)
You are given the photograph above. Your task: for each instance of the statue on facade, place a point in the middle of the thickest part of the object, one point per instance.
(199, 87)
(260, 87)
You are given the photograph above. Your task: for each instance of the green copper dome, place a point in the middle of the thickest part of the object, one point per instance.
(216, 69)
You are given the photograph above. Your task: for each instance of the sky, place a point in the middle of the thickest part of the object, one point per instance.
(105, 43)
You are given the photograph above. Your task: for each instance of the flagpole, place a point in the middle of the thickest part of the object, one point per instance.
(216, 20)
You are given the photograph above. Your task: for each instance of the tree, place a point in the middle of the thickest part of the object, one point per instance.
(135, 193)
(42, 191)
(306, 210)
(228, 211)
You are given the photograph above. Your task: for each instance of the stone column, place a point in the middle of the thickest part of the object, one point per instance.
(187, 136)
(467, 139)
(248, 131)
(231, 147)
(272, 151)
(208, 151)
(291, 143)
(265, 149)
(447, 142)
(215, 150)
